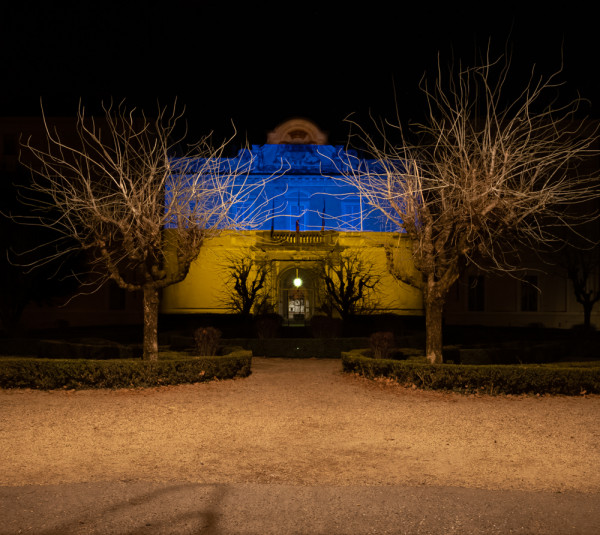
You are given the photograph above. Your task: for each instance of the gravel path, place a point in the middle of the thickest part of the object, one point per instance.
(300, 422)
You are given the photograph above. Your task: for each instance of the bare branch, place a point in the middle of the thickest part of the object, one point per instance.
(246, 287)
(348, 282)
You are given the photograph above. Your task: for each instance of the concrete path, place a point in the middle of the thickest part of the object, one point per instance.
(158, 508)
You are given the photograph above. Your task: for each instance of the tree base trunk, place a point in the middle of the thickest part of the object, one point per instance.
(151, 302)
(433, 331)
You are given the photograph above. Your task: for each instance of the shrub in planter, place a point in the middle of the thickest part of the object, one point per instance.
(381, 344)
(207, 341)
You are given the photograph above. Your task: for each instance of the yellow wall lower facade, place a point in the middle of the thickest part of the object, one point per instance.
(289, 254)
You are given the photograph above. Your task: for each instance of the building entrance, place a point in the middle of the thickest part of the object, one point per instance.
(299, 304)
(297, 295)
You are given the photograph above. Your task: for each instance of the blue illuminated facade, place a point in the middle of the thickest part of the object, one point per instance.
(304, 188)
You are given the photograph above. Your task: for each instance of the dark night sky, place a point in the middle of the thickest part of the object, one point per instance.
(259, 66)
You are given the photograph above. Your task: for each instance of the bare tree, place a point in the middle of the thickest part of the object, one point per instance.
(246, 288)
(348, 282)
(487, 175)
(583, 268)
(141, 214)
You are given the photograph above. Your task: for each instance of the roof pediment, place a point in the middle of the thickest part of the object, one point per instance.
(297, 132)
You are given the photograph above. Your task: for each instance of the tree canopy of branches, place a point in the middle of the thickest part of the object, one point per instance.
(485, 175)
(119, 187)
(246, 289)
(348, 280)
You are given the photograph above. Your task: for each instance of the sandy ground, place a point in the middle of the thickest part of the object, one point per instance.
(300, 422)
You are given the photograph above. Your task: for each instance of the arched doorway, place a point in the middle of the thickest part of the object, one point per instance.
(296, 295)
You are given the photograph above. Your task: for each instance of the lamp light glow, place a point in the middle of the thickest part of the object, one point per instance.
(297, 280)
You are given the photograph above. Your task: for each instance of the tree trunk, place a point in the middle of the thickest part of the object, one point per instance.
(433, 330)
(150, 323)
(587, 314)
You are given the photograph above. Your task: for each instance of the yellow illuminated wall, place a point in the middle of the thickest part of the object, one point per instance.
(202, 290)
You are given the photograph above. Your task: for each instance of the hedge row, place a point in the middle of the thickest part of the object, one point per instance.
(490, 379)
(47, 374)
(285, 347)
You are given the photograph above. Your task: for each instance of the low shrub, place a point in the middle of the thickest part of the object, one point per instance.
(47, 374)
(301, 347)
(381, 344)
(491, 379)
(207, 341)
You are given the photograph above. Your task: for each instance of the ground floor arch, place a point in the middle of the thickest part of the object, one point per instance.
(297, 291)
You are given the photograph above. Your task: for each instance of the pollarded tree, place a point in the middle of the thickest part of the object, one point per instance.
(348, 282)
(486, 176)
(140, 214)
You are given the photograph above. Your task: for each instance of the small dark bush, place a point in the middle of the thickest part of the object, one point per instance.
(381, 344)
(207, 341)
(268, 325)
(325, 327)
(490, 379)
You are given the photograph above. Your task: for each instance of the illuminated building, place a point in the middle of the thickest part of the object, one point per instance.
(312, 216)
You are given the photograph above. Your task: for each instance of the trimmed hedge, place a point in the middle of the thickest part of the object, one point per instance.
(489, 379)
(285, 347)
(48, 374)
